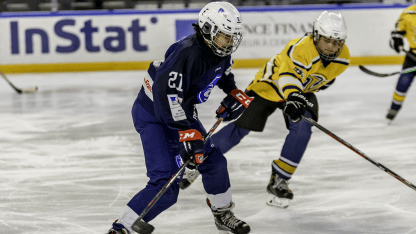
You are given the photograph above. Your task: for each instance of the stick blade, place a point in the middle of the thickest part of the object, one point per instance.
(30, 90)
(142, 228)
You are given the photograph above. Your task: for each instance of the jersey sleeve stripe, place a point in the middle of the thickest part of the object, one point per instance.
(297, 63)
(341, 61)
(334, 61)
(288, 80)
(288, 85)
(291, 87)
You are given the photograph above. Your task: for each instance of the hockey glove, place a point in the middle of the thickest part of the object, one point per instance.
(234, 104)
(295, 106)
(193, 146)
(396, 41)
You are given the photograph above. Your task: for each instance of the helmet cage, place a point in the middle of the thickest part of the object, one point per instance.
(221, 43)
(322, 54)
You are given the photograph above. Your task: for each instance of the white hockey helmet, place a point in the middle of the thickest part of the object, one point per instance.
(221, 26)
(331, 26)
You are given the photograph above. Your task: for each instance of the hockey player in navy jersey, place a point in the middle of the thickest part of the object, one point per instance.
(166, 117)
(289, 82)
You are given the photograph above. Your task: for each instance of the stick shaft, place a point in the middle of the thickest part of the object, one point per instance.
(176, 175)
(10, 83)
(373, 73)
(19, 91)
(377, 164)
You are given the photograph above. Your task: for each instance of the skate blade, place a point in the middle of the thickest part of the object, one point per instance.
(272, 200)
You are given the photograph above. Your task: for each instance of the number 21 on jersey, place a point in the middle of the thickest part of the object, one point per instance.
(173, 83)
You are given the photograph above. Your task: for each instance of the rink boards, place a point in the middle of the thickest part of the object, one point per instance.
(131, 39)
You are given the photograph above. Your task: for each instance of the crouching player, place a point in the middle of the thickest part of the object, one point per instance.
(166, 117)
(289, 82)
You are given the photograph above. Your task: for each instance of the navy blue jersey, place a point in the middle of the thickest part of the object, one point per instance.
(184, 78)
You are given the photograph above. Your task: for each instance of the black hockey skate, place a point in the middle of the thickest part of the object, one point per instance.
(188, 178)
(391, 114)
(279, 192)
(226, 222)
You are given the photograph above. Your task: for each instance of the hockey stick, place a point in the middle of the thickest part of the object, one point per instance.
(379, 165)
(364, 69)
(19, 91)
(142, 227)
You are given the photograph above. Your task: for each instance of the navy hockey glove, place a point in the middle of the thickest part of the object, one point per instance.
(234, 104)
(396, 41)
(193, 145)
(295, 106)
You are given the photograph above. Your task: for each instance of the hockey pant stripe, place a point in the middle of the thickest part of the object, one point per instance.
(288, 169)
(398, 99)
(289, 162)
(293, 148)
(281, 172)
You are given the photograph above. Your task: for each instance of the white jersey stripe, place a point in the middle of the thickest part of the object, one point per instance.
(306, 67)
(285, 80)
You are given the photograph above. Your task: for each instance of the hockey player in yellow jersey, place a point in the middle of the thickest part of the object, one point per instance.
(405, 27)
(288, 82)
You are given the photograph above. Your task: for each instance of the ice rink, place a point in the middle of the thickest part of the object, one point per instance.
(70, 160)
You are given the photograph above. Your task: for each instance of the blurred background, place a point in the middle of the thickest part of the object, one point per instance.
(55, 5)
(109, 35)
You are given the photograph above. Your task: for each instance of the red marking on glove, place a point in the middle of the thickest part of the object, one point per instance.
(190, 135)
(241, 97)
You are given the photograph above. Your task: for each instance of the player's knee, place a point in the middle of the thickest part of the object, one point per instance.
(173, 191)
(220, 160)
(215, 161)
(171, 194)
(405, 81)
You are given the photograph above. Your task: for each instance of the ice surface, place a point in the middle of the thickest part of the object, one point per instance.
(70, 160)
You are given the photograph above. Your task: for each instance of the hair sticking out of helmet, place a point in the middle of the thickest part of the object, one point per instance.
(221, 27)
(329, 34)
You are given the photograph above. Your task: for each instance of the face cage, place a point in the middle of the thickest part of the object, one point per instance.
(231, 43)
(322, 54)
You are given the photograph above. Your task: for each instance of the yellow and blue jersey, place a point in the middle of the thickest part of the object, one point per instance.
(407, 24)
(298, 68)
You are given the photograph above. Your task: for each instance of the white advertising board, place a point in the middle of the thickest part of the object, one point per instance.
(144, 36)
